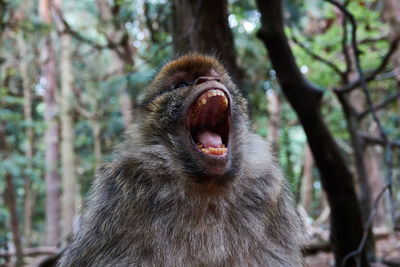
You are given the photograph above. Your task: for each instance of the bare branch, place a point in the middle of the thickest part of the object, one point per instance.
(372, 75)
(383, 135)
(388, 75)
(79, 106)
(67, 28)
(375, 140)
(373, 40)
(366, 227)
(363, 83)
(345, 51)
(317, 57)
(381, 105)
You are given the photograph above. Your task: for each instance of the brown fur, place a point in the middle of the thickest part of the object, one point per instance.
(157, 205)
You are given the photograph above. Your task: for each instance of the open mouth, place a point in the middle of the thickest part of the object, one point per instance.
(208, 122)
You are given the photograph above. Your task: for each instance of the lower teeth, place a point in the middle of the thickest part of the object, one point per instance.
(213, 150)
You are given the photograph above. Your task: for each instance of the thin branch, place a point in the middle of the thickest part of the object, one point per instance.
(83, 112)
(383, 135)
(345, 51)
(363, 82)
(372, 75)
(375, 140)
(388, 75)
(373, 40)
(381, 105)
(317, 57)
(110, 44)
(79, 107)
(366, 227)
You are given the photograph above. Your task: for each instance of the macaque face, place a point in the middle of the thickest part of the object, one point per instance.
(192, 104)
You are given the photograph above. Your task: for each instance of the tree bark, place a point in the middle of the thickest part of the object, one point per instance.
(391, 15)
(68, 136)
(274, 108)
(29, 197)
(372, 158)
(349, 105)
(67, 129)
(97, 142)
(337, 180)
(11, 201)
(202, 26)
(122, 54)
(51, 134)
(307, 184)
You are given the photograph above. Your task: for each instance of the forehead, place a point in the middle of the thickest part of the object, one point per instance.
(193, 64)
(187, 68)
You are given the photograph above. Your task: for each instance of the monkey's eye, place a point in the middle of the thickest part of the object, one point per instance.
(181, 84)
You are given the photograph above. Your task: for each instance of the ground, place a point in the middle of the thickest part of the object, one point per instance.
(387, 252)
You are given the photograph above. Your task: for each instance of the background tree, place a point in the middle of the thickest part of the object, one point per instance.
(346, 227)
(51, 135)
(105, 53)
(198, 28)
(67, 124)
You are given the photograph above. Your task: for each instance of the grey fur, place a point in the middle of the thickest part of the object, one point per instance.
(146, 208)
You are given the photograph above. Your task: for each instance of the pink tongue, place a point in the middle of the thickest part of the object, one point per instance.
(209, 139)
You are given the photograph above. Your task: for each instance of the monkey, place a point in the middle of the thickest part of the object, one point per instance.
(191, 184)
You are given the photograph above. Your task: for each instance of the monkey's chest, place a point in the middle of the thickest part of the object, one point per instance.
(206, 242)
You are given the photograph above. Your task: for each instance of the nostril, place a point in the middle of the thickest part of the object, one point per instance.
(203, 79)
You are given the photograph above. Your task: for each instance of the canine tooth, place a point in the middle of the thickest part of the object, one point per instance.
(203, 101)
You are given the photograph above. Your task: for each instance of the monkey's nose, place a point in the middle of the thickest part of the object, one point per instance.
(203, 79)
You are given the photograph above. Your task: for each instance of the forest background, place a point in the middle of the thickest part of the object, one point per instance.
(322, 78)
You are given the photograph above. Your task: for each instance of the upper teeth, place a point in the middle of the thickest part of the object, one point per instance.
(202, 100)
(211, 93)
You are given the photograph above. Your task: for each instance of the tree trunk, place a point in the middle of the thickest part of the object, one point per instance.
(52, 148)
(11, 201)
(202, 26)
(51, 134)
(307, 184)
(372, 158)
(337, 180)
(122, 54)
(391, 15)
(29, 197)
(274, 108)
(97, 142)
(67, 127)
(67, 134)
(350, 105)
(12, 207)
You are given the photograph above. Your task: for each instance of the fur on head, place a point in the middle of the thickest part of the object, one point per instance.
(169, 113)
